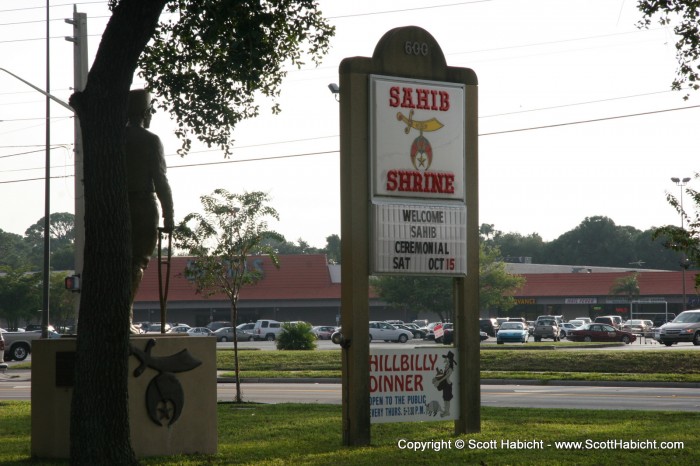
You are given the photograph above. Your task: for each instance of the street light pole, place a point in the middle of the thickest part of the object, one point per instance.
(684, 261)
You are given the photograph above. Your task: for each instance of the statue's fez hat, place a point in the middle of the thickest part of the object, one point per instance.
(139, 102)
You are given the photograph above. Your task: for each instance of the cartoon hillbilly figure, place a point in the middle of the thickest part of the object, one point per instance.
(442, 381)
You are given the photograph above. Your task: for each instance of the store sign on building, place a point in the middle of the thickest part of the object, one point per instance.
(418, 176)
(580, 300)
(415, 385)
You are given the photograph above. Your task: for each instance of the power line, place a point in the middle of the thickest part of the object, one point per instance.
(306, 154)
(43, 7)
(574, 104)
(594, 120)
(403, 10)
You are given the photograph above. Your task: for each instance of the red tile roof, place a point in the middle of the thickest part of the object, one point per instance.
(299, 277)
(599, 284)
(307, 277)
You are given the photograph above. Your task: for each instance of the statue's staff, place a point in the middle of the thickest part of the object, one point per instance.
(163, 290)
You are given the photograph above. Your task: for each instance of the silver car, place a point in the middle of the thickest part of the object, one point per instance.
(387, 332)
(226, 334)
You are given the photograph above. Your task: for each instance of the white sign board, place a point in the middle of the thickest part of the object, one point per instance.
(417, 134)
(419, 239)
(416, 384)
(417, 149)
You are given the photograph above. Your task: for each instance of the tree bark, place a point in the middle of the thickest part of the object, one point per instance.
(100, 432)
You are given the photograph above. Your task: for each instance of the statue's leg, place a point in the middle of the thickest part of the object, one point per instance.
(144, 231)
(136, 276)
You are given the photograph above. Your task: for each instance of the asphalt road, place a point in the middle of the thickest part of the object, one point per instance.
(641, 344)
(531, 396)
(549, 396)
(522, 396)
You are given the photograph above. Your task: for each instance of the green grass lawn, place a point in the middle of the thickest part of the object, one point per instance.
(306, 434)
(649, 365)
(302, 434)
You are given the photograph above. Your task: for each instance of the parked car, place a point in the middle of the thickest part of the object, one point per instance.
(565, 328)
(217, 324)
(35, 328)
(448, 336)
(601, 332)
(615, 321)
(518, 319)
(394, 322)
(2, 348)
(199, 332)
(323, 332)
(413, 328)
(530, 326)
(18, 345)
(226, 334)
(585, 320)
(429, 334)
(546, 327)
(179, 329)
(638, 327)
(387, 332)
(578, 322)
(512, 332)
(489, 325)
(247, 327)
(660, 319)
(155, 327)
(558, 319)
(684, 328)
(266, 329)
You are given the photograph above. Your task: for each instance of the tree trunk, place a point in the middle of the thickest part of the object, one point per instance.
(99, 410)
(236, 368)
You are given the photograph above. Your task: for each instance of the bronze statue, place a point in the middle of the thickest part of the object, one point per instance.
(146, 176)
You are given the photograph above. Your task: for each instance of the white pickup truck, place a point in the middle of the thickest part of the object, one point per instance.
(18, 345)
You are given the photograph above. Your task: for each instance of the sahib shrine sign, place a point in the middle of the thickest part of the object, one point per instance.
(418, 176)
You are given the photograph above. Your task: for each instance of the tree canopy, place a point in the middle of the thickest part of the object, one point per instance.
(232, 227)
(189, 62)
(684, 15)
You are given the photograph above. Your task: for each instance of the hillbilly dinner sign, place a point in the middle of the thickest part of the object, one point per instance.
(415, 385)
(418, 194)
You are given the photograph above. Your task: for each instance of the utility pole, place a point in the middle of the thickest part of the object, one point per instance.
(47, 195)
(80, 72)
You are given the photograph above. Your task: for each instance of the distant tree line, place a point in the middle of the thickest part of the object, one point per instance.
(597, 241)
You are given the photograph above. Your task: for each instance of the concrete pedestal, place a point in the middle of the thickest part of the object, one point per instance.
(194, 431)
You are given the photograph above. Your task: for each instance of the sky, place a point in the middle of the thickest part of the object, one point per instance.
(576, 116)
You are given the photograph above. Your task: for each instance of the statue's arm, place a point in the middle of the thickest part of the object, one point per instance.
(162, 187)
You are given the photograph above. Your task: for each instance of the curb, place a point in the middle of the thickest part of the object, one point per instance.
(563, 383)
(24, 375)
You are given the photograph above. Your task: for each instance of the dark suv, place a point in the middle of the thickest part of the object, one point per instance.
(685, 327)
(490, 326)
(615, 321)
(660, 319)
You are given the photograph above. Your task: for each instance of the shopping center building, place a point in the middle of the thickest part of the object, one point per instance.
(306, 287)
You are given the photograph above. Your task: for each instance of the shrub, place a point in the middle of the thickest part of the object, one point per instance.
(296, 336)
